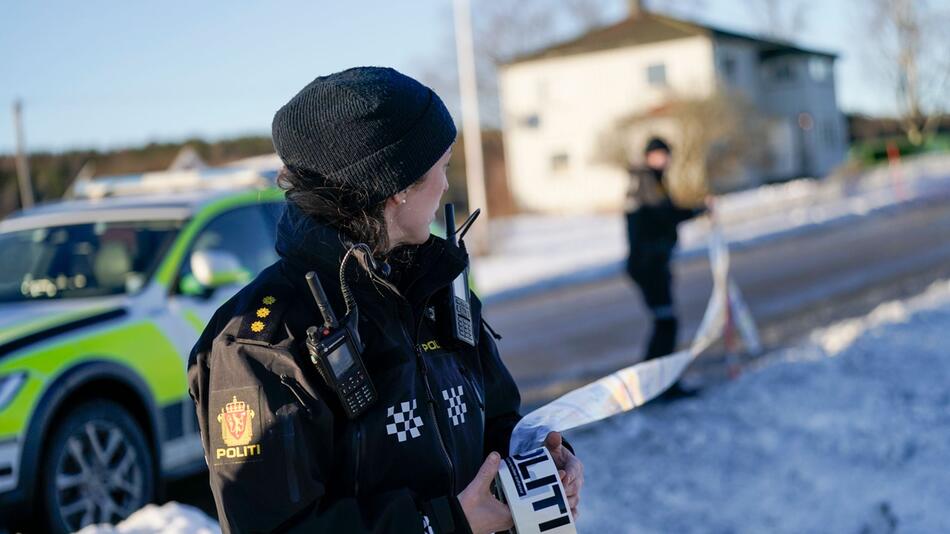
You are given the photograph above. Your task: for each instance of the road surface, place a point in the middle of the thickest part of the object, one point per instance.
(556, 341)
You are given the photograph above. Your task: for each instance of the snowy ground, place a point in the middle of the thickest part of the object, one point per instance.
(846, 433)
(534, 252)
(170, 518)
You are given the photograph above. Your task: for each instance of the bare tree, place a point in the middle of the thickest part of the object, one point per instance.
(714, 139)
(502, 30)
(782, 19)
(588, 14)
(909, 36)
(686, 9)
(505, 29)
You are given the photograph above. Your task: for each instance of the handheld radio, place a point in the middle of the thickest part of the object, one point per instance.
(335, 349)
(459, 300)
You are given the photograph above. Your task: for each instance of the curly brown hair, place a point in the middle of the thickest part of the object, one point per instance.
(339, 207)
(345, 210)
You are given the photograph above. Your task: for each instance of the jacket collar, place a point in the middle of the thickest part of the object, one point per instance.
(306, 243)
(430, 267)
(418, 271)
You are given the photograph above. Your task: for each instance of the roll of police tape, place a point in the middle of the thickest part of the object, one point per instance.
(529, 484)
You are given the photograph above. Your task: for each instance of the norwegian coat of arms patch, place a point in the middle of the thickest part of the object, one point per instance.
(235, 418)
(238, 416)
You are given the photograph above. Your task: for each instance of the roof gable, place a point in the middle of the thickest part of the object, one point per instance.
(647, 28)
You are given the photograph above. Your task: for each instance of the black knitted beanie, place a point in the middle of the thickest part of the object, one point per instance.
(369, 129)
(656, 143)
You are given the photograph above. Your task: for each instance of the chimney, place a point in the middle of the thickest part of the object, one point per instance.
(635, 8)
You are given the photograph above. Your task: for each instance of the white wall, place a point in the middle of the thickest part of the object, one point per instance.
(576, 99)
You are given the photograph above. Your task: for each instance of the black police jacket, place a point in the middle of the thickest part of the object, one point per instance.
(281, 453)
(652, 216)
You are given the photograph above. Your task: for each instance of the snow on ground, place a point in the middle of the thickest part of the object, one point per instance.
(534, 252)
(848, 432)
(170, 518)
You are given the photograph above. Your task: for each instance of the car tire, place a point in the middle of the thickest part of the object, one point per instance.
(97, 468)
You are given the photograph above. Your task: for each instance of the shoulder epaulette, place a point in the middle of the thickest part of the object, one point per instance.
(262, 315)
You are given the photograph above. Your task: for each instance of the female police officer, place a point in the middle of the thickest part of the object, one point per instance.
(365, 152)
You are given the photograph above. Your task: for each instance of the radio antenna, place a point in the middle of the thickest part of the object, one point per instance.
(316, 289)
(450, 223)
(468, 223)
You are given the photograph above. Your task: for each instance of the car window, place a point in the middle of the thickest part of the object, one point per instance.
(82, 260)
(247, 233)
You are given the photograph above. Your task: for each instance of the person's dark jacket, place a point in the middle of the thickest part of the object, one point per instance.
(304, 466)
(652, 216)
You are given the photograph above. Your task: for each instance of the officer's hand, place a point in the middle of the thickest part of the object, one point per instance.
(484, 512)
(569, 467)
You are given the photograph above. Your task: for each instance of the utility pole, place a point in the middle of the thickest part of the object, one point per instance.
(471, 128)
(22, 163)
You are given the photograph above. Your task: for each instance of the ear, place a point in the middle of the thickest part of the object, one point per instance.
(398, 199)
(393, 204)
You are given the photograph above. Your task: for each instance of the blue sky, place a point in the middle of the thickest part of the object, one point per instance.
(98, 74)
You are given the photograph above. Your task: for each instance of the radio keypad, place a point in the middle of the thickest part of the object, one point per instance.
(356, 390)
(463, 313)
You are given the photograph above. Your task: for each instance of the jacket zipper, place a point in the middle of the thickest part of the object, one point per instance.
(357, 438)
(287, 429)
(430, 398)
(478, 395)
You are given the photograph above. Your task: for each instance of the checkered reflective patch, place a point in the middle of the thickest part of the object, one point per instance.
(405, 423)
(426, 525)
(457, 407)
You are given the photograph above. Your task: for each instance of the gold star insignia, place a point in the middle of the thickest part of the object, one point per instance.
(269, 300)
(263, 312)
(257, 326)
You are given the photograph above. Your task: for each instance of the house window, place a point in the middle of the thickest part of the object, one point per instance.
(532, 121)
(559, 162)
(819, 68)
(783, 72)
(656, 75)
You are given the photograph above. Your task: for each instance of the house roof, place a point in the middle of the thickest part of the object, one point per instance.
(652, 28)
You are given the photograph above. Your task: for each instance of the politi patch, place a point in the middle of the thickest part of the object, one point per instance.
(238, 417)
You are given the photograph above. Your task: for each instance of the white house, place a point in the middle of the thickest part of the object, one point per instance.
(558, 102)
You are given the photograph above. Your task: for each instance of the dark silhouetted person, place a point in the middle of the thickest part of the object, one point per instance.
(652, 217)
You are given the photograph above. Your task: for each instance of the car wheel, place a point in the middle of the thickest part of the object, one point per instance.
(98, 468)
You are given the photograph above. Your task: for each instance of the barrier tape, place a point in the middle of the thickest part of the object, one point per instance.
(634, 386)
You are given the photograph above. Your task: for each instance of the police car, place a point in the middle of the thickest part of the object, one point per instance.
(101, 298)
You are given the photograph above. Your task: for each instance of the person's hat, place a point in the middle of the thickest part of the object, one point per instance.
(656, 143)
(370, 129)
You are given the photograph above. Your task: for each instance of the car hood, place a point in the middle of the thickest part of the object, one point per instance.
(22, 320)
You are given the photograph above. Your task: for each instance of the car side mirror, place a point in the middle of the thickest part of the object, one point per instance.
(216, 268)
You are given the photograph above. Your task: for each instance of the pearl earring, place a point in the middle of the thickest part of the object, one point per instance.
(403, 201)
